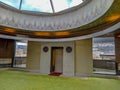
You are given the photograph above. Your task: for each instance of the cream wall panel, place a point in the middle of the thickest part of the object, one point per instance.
(84, 62)
(45, 60)
(33, 56)
(68, 58)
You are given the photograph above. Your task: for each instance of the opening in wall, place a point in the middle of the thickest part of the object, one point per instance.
(104, 55)
(56, 60)
(20, 54)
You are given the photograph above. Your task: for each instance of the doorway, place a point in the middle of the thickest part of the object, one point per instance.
(104, 55)
(56, 60)
(20, 54)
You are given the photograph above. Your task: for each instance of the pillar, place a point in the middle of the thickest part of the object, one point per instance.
(83, 57)
(33, 56)
(117, 55)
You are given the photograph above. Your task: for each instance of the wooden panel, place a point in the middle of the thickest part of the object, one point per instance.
(6, 48)
(117, 49)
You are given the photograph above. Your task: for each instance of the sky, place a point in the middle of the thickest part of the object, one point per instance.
(14, 3)
(37, 5)
(43, 5)
(65, 4)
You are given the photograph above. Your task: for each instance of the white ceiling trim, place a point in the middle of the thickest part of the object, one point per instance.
(108, 30)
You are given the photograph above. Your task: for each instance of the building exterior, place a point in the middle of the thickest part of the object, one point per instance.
(61, 41)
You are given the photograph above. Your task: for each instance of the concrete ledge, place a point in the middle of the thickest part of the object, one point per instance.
(33, 71)
(5, 60)
(82, 75)
(1, 69)
(111, 76)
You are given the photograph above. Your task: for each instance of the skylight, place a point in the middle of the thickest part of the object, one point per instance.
(36, 5)
(48, 6)
(60, 5)
(13, 3)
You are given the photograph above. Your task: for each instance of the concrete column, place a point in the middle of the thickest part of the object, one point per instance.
(45, 59)
(33, 56)
(117, 54)
(83, 54)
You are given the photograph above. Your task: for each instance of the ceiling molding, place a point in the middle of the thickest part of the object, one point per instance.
(108, 30)
(59, 22)
(104, 22)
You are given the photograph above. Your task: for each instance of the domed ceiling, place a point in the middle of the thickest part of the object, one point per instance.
(51, 21)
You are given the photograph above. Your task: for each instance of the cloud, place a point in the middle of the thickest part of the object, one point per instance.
(60, 5)
(14, 3)
(75, 2)
(42, 5)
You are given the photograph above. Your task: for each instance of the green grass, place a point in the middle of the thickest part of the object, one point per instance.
(19, 80)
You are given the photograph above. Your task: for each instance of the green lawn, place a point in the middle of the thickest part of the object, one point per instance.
(19, 80)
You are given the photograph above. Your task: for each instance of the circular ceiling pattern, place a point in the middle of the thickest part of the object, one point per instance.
(54, 22)
(95, 16)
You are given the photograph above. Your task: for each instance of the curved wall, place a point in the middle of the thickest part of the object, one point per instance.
(108, 30)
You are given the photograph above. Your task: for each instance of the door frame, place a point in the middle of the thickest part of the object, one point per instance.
(53, 61)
